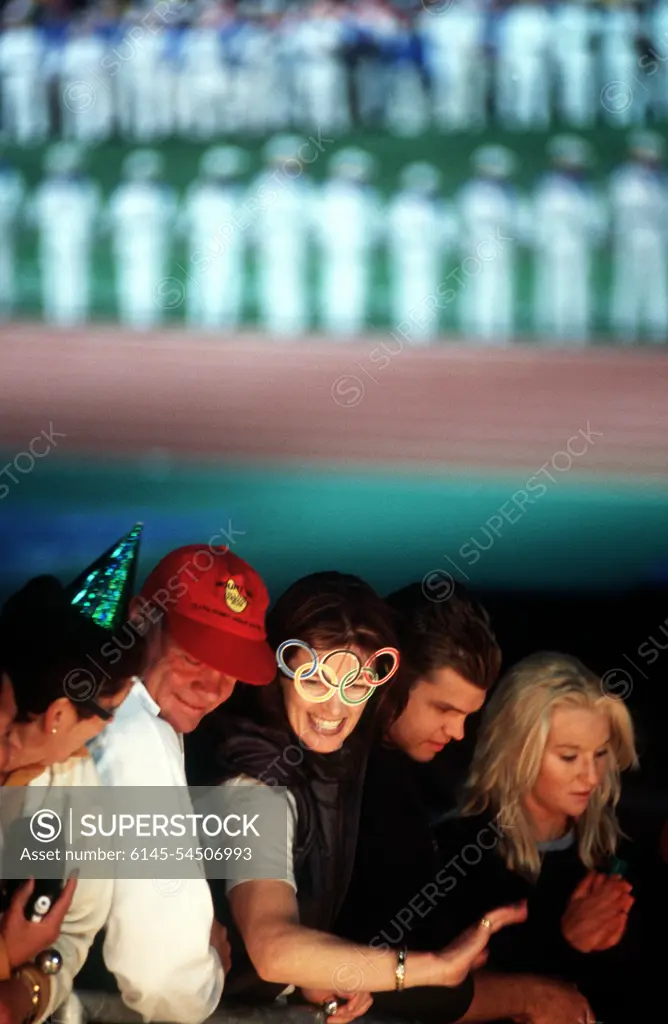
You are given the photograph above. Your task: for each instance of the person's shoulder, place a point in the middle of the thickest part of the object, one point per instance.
(389, 769)
(383, 756)
(137, 733)
(78, 770)
(241, 745)
(245, 780)
(137, 710)
(457, 830)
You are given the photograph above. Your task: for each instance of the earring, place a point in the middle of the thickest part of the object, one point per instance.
(54, 730)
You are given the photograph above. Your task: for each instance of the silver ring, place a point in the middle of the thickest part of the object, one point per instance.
(485, 922)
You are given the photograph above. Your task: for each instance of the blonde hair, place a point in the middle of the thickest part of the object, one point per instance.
(510, 747)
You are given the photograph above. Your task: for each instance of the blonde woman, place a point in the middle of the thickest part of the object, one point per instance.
(546, 770)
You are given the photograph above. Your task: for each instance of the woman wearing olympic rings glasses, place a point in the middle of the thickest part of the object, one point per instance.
(311, 731)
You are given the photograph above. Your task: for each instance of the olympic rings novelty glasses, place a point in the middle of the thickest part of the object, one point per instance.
(318, 681)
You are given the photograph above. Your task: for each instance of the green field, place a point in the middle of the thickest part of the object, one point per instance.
(451, 153)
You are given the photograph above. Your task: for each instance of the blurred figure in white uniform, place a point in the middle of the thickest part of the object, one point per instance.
(374, 28)
(65, 210)
(148, 78)
(216, 239)
(141, 215)
(348, 228)
(408, 110)
(259, 83)
(86, 89)
(490, 224)
(201, 80)
(454, 39)
(279, 208)
(639, 202)
(23, 76)
(573, 29)
(523, 65)
(568, 223)
(320, 75)
(418, 229)
(624, 95)
(12, 195)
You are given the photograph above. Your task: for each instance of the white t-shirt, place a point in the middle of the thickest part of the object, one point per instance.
(272, 852)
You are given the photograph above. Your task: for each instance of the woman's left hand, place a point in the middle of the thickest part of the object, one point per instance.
(597, 912)
(356, 1006)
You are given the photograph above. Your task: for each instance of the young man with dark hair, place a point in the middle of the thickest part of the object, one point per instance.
(450, 658)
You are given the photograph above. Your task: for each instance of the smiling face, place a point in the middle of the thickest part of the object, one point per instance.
(435, 714)
(323, 727)
(185, 689)
(575, 762)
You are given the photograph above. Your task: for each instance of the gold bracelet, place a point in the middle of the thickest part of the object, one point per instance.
(30, 977)
(400, 973)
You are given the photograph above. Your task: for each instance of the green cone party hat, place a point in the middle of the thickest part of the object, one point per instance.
(102, 592)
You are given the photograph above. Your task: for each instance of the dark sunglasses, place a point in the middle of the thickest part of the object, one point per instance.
(98, 710)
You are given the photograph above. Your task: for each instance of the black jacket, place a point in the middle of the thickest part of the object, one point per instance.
(615, 981)
(389, 901)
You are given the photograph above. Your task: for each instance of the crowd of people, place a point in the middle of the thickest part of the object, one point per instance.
(524, 901)
(310, 252)
(174, 67)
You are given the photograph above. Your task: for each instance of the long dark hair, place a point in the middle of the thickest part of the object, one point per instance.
(50, 650)
(330, 610)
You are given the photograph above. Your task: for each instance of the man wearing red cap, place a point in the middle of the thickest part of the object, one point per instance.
(202, 612)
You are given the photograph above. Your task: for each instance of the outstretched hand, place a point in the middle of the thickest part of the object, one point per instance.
(468, 951)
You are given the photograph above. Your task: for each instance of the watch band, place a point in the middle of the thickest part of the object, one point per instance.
(400, 972)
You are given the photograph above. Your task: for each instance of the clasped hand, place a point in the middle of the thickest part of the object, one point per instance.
(597, 912)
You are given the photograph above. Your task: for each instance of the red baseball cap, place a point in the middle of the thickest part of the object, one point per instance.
(215, 604)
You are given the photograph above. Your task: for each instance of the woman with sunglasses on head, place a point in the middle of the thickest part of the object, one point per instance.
(46, 641)
(310, 731)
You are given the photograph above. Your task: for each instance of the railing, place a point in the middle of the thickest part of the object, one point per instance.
(90, 1007)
